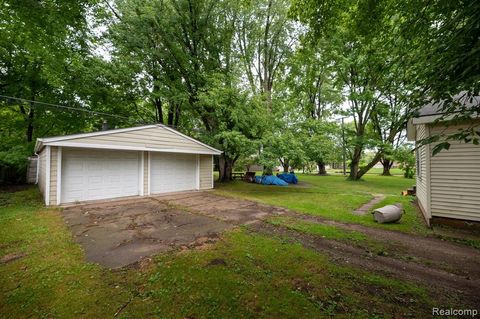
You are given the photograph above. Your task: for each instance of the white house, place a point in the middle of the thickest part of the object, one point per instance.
(448, 184)
(133, 161)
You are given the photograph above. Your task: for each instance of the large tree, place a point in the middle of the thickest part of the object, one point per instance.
(286, 146)
(184, 61)
(45, 56)
(321, 143)
(444, 60)
(358, 41)
(40, 43)
(147, 51)
(264, 39)
(354, 56)
(389, 121)
(444, 39)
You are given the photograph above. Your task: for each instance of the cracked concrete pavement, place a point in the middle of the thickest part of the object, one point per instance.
(121, 232)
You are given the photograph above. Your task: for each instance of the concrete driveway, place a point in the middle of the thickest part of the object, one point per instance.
(118, 233)
(233, 211)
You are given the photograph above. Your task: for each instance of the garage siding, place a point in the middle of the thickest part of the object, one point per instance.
(42, 167)
(95, 166)
(206, 171)
(145, 172)
(422, 171)
(157, 137)
(455, 178)
(53, 175)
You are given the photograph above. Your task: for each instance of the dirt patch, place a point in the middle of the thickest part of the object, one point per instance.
(445, 283)
(470, 226)
(11, 257)
(217, 262)
(454, 258)
(116, 234)
(14, 188)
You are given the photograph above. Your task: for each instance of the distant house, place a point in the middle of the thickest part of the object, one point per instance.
(379, 165)
(448, 184)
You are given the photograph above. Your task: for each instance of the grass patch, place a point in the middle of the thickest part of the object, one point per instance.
(326, 231)
(260, 277)
(379, 170)
(335, 198)
(329, 232)
(52, 280)
(242, 276)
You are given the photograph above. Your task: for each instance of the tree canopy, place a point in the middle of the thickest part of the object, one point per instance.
(263, 81)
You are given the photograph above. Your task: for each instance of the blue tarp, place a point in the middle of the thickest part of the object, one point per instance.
(289, 178)
(270, 180)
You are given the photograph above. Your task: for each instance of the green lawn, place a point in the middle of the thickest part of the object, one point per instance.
(375, 171)
(242, 276)
(393, 171)
(334, 197)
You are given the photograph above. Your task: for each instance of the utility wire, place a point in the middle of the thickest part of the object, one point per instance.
(64, 107)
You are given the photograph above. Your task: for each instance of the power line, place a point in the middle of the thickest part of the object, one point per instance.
(64, 107)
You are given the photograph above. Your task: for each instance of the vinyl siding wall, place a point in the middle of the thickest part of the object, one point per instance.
(422, 172)
(53, 175)
(145, 172)
(206, 171)
(455, 178)
(42, 167)
(157, 137)
(42, 174)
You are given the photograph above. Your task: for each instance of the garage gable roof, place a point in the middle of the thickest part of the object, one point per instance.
(155, 138)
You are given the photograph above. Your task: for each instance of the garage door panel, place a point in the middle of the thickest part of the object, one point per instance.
(173, 172)
(96, 174)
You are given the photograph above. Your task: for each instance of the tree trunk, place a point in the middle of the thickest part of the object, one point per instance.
(173, 114)
(355, 164)
(158, 110)
(157, 102)
(177, 115)
(170, 115)
(387, 165)
(321, 168)
(28, 119)
(225, 166)
(285, 167)
(362, 171)
(29, 131)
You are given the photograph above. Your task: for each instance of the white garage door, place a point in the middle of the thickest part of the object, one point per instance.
(97, 174)
(172, 172)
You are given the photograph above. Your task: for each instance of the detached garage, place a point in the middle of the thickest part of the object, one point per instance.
(135, 161)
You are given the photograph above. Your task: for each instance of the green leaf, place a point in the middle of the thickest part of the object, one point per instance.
(439, 147)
